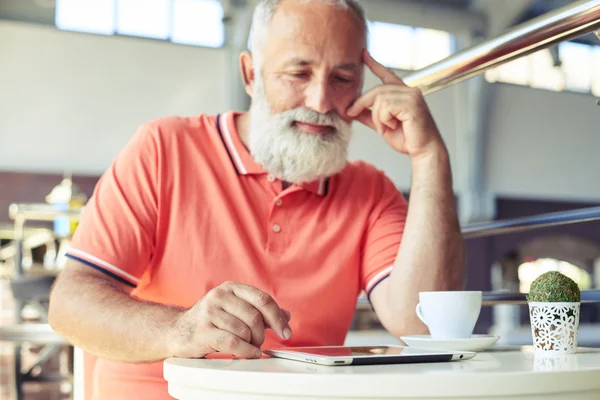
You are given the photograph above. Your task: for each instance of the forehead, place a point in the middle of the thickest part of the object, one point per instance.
(316, 31)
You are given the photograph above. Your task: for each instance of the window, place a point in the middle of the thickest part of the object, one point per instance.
(512, 72)
(193, 19)
(573, 67)
(577, 66)
(406, 47)
(153, 22)
(596, 72)
(543, 73)
(431, 46)
(392, 45)
(529, 271)
(192, 22)
(91, 16)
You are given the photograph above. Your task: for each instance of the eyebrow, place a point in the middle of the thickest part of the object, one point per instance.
(300, 62)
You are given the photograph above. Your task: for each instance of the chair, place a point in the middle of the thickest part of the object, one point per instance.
(34, 292)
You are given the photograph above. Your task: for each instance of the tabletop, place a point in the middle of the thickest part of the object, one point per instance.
(37, 333)
(499, 373)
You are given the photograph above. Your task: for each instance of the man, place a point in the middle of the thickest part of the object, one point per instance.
(232, 233)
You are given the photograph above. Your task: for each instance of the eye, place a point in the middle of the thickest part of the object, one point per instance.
(298, 74)
(342, 79)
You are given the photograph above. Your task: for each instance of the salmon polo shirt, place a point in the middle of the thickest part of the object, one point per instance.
(184, 208)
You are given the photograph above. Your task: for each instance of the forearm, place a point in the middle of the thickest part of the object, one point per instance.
(97, 316)
(430, 257)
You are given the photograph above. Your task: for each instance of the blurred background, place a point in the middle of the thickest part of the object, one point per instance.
(77, 77)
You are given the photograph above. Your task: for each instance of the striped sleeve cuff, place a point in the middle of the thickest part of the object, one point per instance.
(377, 279)
(103, 266)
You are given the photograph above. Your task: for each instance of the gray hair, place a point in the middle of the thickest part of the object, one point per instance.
(263, 15)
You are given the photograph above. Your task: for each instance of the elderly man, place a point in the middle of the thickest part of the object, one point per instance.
(232, 233)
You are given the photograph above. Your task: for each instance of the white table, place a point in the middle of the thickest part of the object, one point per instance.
(31, 333)
(500, 373)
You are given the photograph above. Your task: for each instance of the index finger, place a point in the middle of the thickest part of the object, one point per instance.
(381, 71)
(266, 305)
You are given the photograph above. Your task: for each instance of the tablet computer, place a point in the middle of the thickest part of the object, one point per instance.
(367, 355)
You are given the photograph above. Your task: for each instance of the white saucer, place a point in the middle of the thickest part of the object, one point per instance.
(474, 343)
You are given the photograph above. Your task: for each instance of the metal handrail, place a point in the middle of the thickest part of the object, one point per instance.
(565, 23)
(500, 227)
(500, 297)
(495, 228)
(514, 298)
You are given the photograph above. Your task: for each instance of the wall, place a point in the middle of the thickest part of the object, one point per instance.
(73, 100)
(544, 144)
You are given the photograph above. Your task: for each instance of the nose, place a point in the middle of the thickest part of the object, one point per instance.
(318, 97)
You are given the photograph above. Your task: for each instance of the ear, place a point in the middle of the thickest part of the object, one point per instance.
(247, 71)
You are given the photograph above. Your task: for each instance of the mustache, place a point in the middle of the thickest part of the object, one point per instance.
(303, 114)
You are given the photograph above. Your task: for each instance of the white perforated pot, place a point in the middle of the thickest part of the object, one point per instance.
(554, 327)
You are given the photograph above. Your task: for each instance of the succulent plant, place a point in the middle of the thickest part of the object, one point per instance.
(554, 287)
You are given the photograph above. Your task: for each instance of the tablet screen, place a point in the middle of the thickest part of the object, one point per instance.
(359, 351)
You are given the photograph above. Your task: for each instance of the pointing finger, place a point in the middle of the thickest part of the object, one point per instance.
(382, 72)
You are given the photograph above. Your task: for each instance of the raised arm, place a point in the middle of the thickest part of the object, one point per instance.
(430, 256)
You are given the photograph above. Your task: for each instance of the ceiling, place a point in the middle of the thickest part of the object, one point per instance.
(537, 8)
(445, 3)
(540, 7)
(42, 11)
(37, 11)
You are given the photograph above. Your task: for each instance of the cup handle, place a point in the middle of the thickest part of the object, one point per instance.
(420, 314)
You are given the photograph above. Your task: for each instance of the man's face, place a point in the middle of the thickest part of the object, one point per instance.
(311, 73)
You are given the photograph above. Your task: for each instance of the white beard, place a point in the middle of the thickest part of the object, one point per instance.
(289, 153)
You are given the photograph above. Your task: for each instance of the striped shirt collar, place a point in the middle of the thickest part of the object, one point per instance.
(242, 161)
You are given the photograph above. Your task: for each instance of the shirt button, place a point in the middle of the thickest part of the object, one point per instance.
(276, 228)
(271, 178)
(278, 202)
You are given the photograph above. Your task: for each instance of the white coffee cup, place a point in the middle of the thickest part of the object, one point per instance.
(449, 315)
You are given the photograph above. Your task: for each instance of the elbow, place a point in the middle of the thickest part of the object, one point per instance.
(404, 327)
(53, 318)
(56, 311)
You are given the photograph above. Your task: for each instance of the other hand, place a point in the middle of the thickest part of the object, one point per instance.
(232, 319)
(397, 112)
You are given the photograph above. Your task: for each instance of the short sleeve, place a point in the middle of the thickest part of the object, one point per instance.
(383, 235)
(117, 228)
